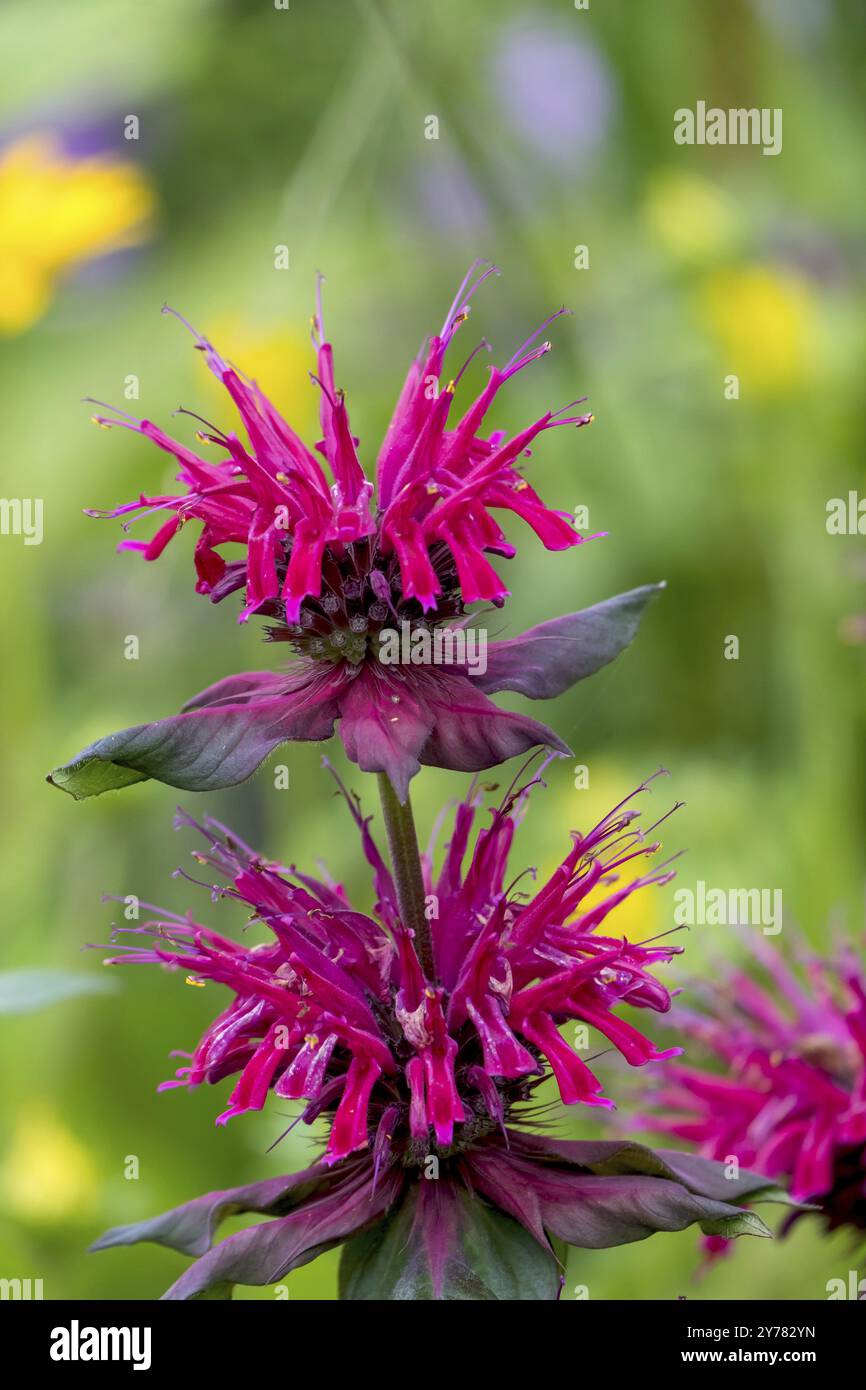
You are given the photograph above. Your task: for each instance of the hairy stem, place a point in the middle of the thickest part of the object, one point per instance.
(406, 865)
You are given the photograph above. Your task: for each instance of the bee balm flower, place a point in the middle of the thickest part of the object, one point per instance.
(787, 1093)
(418, 1051)
(333, 565)
(435, 495)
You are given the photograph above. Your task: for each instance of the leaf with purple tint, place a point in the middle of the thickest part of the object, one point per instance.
(266, 1253)
(599, 1195)
(711, 1178)
(471, 733)
(220, 738)
(613, 1157)
(553, 656)
(394, 722)
(443, 1244)
(191, 1227)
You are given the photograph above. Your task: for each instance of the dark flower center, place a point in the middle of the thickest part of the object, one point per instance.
(361, 597)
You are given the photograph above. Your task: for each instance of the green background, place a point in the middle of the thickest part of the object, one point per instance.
(306, 127)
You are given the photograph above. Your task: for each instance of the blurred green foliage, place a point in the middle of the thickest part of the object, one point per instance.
(306, 127)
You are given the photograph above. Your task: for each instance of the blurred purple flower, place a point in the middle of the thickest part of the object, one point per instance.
(555, 90)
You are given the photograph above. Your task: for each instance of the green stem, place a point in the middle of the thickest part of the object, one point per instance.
(406, 864)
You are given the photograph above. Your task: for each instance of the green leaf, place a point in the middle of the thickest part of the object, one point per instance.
(24, 991)
(745, 1223)
(603, 1193)
(348, 1200)
(702, 1175)
(443, 1244)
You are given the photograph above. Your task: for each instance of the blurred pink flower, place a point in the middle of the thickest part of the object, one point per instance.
(555, 90)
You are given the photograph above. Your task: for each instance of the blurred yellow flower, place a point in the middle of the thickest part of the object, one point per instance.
(46, 1174)
(766, 322)
(57, 212)
(691, 217)
(278, 361)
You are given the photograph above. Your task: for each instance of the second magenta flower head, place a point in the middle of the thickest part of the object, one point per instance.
(423, 1052)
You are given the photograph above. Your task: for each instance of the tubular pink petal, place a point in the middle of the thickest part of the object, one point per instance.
(349, 1128)
(574, 1078)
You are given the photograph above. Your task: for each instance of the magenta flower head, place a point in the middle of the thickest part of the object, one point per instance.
(366, 586)
(779, 1081)
(423, 1048)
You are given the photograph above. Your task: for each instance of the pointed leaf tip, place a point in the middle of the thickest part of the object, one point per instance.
(219, 739)
(555, 655)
